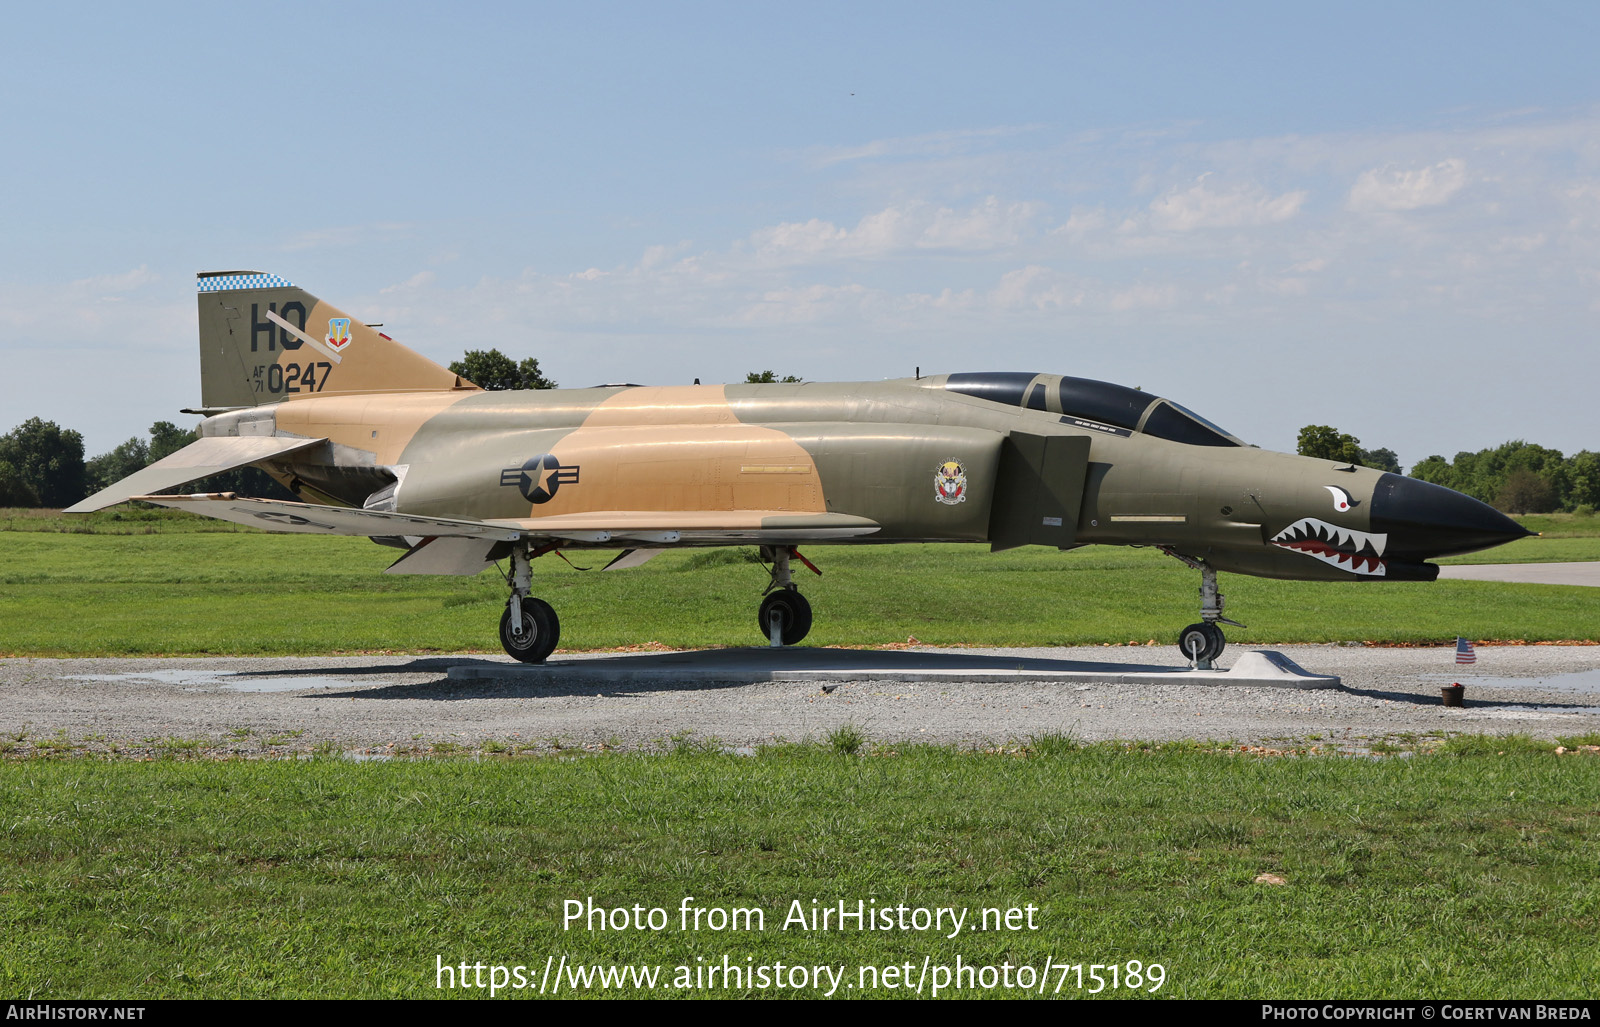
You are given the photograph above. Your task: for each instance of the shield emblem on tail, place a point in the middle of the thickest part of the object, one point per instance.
(338, 333)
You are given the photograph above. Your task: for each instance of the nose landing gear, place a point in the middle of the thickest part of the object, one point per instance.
(1202, 643)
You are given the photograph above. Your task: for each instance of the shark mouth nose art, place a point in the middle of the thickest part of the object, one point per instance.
(1358, 552)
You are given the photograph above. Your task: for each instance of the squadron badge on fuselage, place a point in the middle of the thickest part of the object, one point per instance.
(539, 477)
(950, 483)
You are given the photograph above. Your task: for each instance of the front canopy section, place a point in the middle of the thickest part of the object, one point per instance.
(1105, 406)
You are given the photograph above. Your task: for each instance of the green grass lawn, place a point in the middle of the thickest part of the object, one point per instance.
(1561, 525)
(1463, 873)
(1434, 876)
(153, 582)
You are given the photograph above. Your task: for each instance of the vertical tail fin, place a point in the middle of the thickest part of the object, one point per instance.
(263, 340)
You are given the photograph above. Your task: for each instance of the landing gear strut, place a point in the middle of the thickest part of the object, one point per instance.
(1202, 643)
(529, 627)
(785, 615)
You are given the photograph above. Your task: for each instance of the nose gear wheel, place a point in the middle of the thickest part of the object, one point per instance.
(1201, 643)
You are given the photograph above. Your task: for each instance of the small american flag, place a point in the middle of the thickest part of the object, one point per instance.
(1464, 653)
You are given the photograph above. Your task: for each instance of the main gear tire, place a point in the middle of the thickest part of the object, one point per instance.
(794, 613)
(541, 630)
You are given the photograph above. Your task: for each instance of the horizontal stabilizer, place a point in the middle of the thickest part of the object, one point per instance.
(199, 459)
(280, 515)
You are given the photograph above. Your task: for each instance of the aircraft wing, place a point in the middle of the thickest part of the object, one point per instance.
(453, 546)
(199, 459)
(674, 527)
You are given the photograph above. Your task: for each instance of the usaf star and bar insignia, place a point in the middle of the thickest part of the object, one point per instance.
(539, 477)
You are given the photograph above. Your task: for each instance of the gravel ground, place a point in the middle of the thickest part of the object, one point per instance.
(382, 704)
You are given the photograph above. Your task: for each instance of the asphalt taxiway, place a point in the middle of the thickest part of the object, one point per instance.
(1580, 573)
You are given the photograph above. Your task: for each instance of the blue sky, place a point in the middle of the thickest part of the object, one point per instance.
(1382, 217)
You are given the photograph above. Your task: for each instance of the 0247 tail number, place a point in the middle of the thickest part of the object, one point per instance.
(282, 378)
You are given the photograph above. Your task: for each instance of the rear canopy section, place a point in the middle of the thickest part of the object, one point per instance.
(262, 340)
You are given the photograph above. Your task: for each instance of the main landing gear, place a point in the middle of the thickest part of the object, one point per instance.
(529, 627)
(1202, 643)
(785, 615)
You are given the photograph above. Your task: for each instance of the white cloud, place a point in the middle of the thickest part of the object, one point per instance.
(1285, 286)
(1082, 221)
(1391, 188)
(420, 280)
(800, 239)
(802, 304)
(1521, 243)
(1202, 206)
(1036, 287)
(988, 225)
(118, 283)
(1145, 296)
(80, 309)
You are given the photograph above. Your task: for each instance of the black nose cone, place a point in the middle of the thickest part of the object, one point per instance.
(1424, 520)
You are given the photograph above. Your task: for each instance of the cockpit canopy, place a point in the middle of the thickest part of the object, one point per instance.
(1103, 403)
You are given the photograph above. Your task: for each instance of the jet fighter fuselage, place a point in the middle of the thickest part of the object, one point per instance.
(925, 460)
(377, 440)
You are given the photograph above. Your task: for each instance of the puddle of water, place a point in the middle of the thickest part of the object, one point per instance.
(228, 680)
(1583, 681)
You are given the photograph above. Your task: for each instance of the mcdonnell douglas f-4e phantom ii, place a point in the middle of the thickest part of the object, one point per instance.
(377, 440)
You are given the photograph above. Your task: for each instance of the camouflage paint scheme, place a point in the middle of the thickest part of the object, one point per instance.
(1004, 458)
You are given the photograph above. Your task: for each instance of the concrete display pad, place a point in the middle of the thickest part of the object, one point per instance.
(261, 706)
(810, 666)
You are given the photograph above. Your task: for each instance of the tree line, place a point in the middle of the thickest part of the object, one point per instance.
(1516, 477)
(42, 465)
